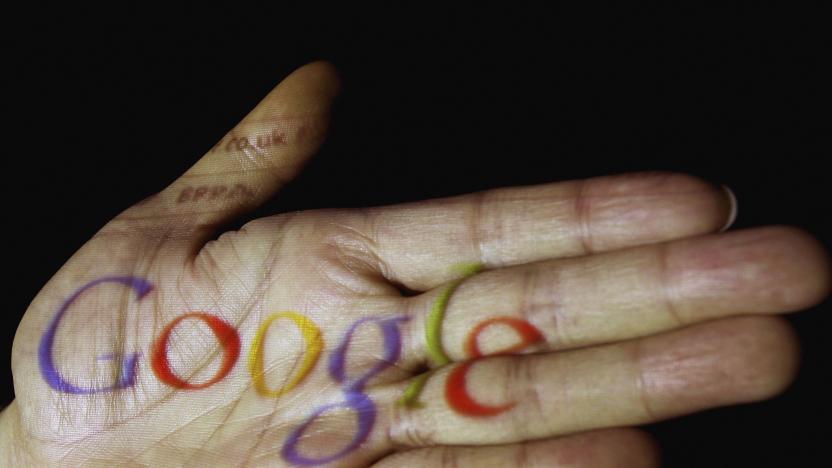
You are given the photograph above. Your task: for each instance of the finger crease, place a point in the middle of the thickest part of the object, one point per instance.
(667, 293)
(478, 232)
(583, 218)
(521, 455)
(641, 381)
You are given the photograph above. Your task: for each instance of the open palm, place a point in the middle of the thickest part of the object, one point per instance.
(510, 327)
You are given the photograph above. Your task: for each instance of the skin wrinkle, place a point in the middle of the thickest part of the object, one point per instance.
(531, 306)
(164, 398)
(121, 341)
(510, 373)
(204, 272)
(667, 286)
(583, 218)
(355, 261)
(371, 233)
(64, 411)
(419, 437)
(269, 421)
(283, 222)
(401, 425)
(447, 458)
(477, 229)
(519, 373)
(148, 232)
(138, 271)
(638, 358)
(559, 315)
(413, 331)
(185, 219)
(214, 174)
(521, 455)
(368, 248)
(528, 281)
(185, 426)
(218, 427)
(532, 384)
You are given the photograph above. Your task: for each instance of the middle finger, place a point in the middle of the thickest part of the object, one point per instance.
(570, 303)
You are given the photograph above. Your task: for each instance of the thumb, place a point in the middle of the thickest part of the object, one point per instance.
(251, 163)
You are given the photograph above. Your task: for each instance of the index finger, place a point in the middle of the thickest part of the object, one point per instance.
(417, 243)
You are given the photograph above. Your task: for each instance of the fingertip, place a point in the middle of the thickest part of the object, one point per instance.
(754, 359)
(792, 269)
(811, 261)
(711, 207)
(648, 207)
(729, 361)
(327, 73)
(771, 358)
(768, 270)
(309, 89)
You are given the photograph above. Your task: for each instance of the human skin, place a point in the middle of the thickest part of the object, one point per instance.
(294, 339)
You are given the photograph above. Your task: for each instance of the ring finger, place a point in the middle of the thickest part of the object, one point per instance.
(508, 399)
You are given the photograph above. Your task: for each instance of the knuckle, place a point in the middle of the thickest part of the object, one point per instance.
(482, 230)
(643, 379)
(522, 380)
(405, 431)
(583, 214)
(666, 281)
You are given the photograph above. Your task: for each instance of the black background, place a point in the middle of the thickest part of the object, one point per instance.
(107, 107)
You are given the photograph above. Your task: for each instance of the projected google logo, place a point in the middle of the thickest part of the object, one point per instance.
(354, 397)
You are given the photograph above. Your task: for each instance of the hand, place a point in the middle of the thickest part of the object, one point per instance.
(524, 323)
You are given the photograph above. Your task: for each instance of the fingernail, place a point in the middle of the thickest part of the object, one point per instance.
(732, 215)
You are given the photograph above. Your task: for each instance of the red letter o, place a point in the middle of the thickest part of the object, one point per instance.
(226, 335)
